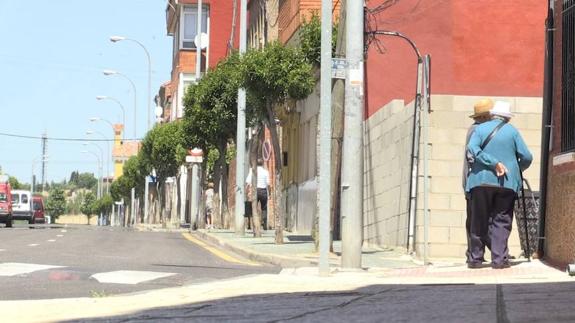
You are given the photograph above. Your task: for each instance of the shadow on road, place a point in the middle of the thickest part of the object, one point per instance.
(549, 302)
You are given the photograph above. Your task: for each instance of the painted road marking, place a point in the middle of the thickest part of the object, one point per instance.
(59, 235)
(2, 250)
(33, 245)
(129, 276)
(14, 268)
(64, 231)
(51, 240)
(218, 252)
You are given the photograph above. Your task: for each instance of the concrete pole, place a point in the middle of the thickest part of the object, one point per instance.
(199, 43)
(133, 207)
(146, 194)
(183, 192)
(425, 120)
(195, 188)
(241, 134)
(324, 185)
(352, 159)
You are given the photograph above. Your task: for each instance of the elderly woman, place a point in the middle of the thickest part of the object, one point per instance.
(493, 184)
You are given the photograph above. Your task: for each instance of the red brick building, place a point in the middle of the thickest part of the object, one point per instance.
(559, 224)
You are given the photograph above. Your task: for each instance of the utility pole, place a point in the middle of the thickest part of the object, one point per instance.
(352, 160)
(241, 133)
(199, 43)
(44, 151)
(324, 185)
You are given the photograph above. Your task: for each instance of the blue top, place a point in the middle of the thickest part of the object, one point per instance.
(506, 147)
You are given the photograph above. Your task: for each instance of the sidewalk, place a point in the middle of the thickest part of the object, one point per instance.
(297, 256)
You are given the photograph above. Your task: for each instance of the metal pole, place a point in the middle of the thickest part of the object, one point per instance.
(324, 185)
(241, 133)
(199, 43)
(352, 160)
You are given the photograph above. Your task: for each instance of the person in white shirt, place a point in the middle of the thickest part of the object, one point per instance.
(262, 186)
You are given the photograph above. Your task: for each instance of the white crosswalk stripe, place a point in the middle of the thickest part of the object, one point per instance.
(130, 277)
(15, 268)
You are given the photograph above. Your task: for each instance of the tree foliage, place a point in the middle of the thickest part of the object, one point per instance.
(133, 177)
(310, 39)
(163, 149)
(56, 203)
(14, 183)
(89, 207)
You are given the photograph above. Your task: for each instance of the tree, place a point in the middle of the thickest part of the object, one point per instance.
(56, 203)
(14, 183)
(211, 117)
(87, 181)
(89, 207)
(163, 149)
(275, 75)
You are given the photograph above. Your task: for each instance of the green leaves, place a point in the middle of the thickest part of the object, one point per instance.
(56, 203)
(163, 149)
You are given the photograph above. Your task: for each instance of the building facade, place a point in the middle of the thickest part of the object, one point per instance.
(559, 220)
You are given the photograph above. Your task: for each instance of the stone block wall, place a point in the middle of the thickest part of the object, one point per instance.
(388, 149)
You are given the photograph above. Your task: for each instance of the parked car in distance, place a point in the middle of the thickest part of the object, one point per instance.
(5, 202)
(22, 206)
(38, 207)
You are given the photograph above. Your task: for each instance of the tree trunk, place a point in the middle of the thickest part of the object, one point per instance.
(255, 219)
(277, 190)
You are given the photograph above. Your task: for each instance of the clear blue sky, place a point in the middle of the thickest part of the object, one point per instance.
(51, 62)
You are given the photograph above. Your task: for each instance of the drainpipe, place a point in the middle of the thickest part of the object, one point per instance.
(546, 122)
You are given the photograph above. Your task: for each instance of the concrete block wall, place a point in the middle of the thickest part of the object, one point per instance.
(448, 125)
(387, 141)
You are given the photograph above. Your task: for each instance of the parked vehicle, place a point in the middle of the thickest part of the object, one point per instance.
(5, 202)
(38, 207)
(22, 206)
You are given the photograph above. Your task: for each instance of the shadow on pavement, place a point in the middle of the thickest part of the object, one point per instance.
(549, 302)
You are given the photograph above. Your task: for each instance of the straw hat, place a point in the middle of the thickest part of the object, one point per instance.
(502, 109)
(482, 107)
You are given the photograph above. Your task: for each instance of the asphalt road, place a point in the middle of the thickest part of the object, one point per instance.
(549, 302)
(53, 261)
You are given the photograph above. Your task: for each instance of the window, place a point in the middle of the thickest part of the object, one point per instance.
(24, 198)
(3, 197)
(568, 78)
(15, 198)
(189, 26)
(186, 79)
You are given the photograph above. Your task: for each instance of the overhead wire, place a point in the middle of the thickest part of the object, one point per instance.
(62, 139)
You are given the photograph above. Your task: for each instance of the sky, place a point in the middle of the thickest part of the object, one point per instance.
(52, 58)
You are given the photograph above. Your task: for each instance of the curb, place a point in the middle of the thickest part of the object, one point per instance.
(282, 261)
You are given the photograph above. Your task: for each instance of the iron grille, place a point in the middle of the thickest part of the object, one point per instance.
(568, 77)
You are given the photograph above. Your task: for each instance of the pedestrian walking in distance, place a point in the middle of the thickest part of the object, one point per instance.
(481, 114)
(263, 185)
(499, 154)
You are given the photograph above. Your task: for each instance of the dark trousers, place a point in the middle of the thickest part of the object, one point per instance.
(490, 223)
(262, 196)
(485, 240)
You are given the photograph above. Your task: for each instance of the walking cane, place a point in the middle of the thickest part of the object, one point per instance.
(528, 251)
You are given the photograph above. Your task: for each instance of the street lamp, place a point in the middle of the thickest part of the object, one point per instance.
(116, 39)
(112, 72)
(90, 132)
(104, 97)
(34, 161)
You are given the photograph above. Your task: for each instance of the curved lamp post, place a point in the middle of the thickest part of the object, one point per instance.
(116, 39)
(90, 132)
(104, 97)
(112, 72)
(99, 169)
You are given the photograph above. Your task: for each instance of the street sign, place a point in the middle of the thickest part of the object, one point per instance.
(193, 159)
(266, 150)
(338, 66)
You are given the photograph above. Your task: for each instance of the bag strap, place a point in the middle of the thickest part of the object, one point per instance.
(492, 134)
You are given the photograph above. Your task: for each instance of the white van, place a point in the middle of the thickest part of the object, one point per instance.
(21, 205)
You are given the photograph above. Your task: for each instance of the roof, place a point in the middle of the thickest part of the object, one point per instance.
(126, 150)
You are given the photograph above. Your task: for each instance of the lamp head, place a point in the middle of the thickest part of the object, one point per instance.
(109, 72)
(117, 38)
(94, 119)
(101, 97)
(89, 132)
